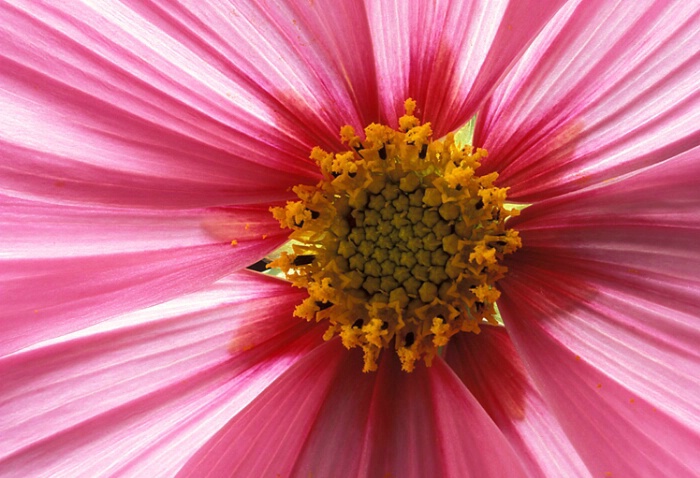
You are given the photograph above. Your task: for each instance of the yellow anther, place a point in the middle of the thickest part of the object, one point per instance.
(400, 244)
(374, 332)
(483, 255)
(306, 310)
(408, 358)
(324, 159)
(348, 136)
(441, 332)
(486, 293)
(419, 135)
(343, 163)
(410, 106)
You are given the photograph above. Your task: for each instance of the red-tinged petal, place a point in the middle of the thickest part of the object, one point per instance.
(33, 229)
(139, 394)
(490, 367)
(607, 89)
(63, 268)
(310, 61)
(266, 438)
(428, 424)
(603, 302)
(448, 55)
(184, 104)
(624, 393)
(326, 418)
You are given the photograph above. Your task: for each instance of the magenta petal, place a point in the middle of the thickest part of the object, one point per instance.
(65, 267)
(326, 418)
(193, 104)
(397, 424)
(607, 89)
(137, 395)
(603, 302)
(625, 396)
(448, 55)
(428, 424)
(490, 367)
(266, 438)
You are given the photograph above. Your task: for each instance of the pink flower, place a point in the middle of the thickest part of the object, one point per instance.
(137, 139)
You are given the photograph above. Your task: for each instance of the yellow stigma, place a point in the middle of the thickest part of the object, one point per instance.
(400, 244)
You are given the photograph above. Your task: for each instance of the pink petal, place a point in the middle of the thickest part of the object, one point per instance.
(490, 367)
(140, 394)
(65, 267)
(448, 55)
(428, 424)
(326, 418)
(193, 104)
(607, 89)
(603, 302)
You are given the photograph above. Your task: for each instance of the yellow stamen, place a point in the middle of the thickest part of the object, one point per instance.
(400, 244)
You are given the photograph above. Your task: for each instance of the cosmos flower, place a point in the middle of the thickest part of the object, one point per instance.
(142, 144)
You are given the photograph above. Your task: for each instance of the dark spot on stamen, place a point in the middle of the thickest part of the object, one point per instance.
(479, 306)
(410, 338)
(324, 305)
(479, 204)
(314, 214)
(382, 152)
(385, 325)
(351, 221)
(358, 323)
(352, 175)
(497, 243)
(335, 174)
(299, 224)
(458, 187)
(423, 151)
(260, 266)
(303, 260)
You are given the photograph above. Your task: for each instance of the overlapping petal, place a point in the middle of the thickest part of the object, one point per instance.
(128, 131)
(607, 89)
(428, 423)
(187, 104)
(603, 304)
(63, 268)
(490, 367)
(140, 393)
(324, 417)
(448, 55)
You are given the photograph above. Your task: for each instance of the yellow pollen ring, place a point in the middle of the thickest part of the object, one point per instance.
(400, 244)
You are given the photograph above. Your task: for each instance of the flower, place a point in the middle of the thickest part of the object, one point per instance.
(142, 144)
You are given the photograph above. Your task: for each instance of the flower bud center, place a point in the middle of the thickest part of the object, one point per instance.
(400, 244)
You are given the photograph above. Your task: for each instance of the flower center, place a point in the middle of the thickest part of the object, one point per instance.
(399, 244)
